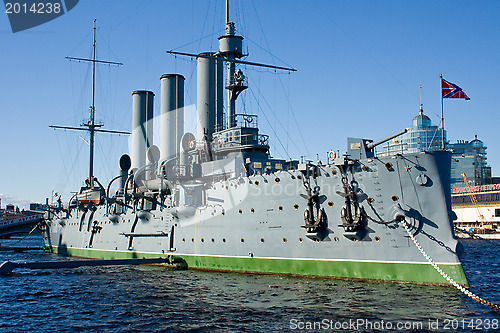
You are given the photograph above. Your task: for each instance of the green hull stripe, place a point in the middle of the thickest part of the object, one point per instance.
(385, 271)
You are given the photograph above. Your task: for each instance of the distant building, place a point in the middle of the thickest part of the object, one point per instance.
(469, 158)
(421, 136)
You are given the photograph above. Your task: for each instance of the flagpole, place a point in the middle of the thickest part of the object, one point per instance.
(442, 113)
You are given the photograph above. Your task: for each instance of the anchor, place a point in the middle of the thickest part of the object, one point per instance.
(352, 213)
(313, 225)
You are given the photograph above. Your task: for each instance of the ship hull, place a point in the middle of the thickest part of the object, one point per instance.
(255, 224)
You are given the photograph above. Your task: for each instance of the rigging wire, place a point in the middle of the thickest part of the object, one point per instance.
(275, 116)
(284, 91)
(269, 122)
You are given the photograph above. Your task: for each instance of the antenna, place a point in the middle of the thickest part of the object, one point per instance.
(421, 105)
(92, 127)
(227, 11)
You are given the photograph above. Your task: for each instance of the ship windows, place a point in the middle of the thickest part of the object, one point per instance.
(336, 239)
(257, 165)
(299, 177)
(223, 240)
(278, 166)
(301, 240)
(395, 198)
(242, 240)
(252, 210)
(296, 206)
(377, 238)
(192, 240)
(184, 239)
(240, 211)
(262, 240)
(256, 183)
(330, 203)
(497, 212)
(213, 240)
(284, 240)
(202, 240)
(280, 208)
(334, 172)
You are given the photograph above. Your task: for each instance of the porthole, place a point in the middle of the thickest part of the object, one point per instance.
(388, 165)
(336, 239)
(280, 208)
(252, 210)
(377, 238)
(334, 172)
(202, 240)
(364, 168)
(395, 198)
(296, 206)
(284, 240)
(227, 188)
(242, 240)
(317, 240)
(256, 183)
(299, 177)
(240, 211)
(370, 200)
(184, 239)
(213, 240)
(262, 240)
(223, 240)
(301, 240)
(192, 240)
(330, 203)
(277, 180)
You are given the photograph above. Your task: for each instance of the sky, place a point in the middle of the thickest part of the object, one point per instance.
(359, 67)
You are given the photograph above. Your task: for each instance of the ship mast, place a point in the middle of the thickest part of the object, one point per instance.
(231, 49)
(91, 126)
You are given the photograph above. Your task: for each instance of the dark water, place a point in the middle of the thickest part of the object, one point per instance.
(153, 299)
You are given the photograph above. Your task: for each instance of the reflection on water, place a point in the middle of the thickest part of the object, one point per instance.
(148, 298)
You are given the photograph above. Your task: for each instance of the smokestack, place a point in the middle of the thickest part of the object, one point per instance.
(142, 126)
(219, 95)
(172, 115)
(206, 97)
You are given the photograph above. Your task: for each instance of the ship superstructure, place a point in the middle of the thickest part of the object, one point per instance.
(218, 201)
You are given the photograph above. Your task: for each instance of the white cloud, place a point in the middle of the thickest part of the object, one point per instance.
(19, 202)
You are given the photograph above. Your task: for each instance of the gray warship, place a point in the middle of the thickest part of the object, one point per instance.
(218, 201)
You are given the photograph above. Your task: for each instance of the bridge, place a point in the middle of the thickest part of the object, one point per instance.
(20, 225)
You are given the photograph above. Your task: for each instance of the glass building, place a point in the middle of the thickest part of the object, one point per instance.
(469, 158)
(421, 136)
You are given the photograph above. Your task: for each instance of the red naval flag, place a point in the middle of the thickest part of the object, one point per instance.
(451, 90)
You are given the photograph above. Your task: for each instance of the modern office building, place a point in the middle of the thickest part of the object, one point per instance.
(469, 158)
(421, 136)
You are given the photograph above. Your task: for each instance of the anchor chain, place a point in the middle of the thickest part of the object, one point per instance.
(444, 275)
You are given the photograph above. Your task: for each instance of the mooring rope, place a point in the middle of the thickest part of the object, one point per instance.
(444, 275)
